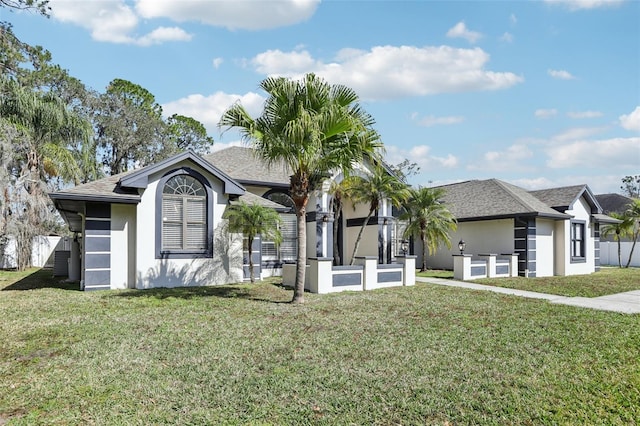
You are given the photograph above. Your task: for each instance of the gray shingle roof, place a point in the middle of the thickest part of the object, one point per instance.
(493, 198)
(613, 203)
(560, 198)
(243, 165)
(106, 188)
(251, 198)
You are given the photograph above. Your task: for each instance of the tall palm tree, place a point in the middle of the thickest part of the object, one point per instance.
(429, 219)
(633, 213)
(252, 220)
(618, 230)
(48, 132)
(314, 128)
(372, 189)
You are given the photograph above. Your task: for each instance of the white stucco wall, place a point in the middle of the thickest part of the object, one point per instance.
(224, 267)
(482, 237)
(545, 264)
(369, 242)
(123, 246)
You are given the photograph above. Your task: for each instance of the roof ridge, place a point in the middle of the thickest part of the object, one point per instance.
(508, 187)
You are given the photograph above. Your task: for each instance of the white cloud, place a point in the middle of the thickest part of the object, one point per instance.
(513, 20)
(545, 113)
(460, 30)
(631, 121)
(209, 109)
(420, 154)
(163, 34)
(504, 160)
(507, 37)
(584, 114)
(112, 21)
(217, 62)
(560, 74)
(576, 133)
(599, 184)
(586, 4)
(617, 152)
(435, 121)
(218, 146)
(231, 14)
(386, 72)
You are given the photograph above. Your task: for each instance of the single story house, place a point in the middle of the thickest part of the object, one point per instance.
(553, 231)
(162, 225)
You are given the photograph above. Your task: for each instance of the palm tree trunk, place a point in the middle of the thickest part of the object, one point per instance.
(633, 246)
(336, 247)
(619, 253)
(251, 275)
(301, 264)
(423, 238)
(357, 244)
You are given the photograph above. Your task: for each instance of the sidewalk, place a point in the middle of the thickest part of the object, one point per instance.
(627, 303)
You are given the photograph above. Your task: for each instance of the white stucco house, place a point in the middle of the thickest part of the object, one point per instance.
(162, 225)
(553, 231)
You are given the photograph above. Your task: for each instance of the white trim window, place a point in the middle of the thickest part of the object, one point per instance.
(577, 240)
(184, 214)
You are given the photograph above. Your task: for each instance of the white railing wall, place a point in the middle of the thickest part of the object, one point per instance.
(465, 267)
(366, 274)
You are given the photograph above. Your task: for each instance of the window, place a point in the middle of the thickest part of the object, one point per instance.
(183, 224)
(577, 240)
(287, 251)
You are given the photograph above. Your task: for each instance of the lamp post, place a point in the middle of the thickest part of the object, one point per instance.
(404, 247)
(461, 246)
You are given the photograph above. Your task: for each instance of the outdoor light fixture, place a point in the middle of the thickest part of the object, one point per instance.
(404, 246)
(461, 246)
(325, 218)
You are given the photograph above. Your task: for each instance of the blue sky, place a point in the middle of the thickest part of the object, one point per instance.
(539, 94)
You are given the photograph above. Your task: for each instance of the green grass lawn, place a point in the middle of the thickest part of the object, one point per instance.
(606, 281)
(238, 355)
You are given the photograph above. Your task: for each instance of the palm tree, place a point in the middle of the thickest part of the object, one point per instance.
(618, 230)
(43, 150)
(633, 213)
(429, 219)
(252, 220)
(312, 127)
(372, 189)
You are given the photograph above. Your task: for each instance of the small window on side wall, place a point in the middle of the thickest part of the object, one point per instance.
(577, 241)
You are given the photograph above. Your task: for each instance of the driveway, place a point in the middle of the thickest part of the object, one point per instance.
(627, 303)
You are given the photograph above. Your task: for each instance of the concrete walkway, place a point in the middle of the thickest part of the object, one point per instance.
(627, 303)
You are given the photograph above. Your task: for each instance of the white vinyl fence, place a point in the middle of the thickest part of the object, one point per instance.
(42, 254)
(609, 253)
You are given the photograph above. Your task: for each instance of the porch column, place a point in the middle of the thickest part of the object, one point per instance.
(324, 223)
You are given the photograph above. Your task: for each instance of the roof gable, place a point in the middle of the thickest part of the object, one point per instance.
(563, 198)
(140, 178)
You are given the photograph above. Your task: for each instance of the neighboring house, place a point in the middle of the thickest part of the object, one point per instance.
(162, 225)
(553, 231)
(616, 203)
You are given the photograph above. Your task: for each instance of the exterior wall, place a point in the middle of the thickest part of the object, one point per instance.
(123, 246)
(224, 267)
(580, 212)
(482, 237)
(561, 241)
(545, 253)
(97, 247)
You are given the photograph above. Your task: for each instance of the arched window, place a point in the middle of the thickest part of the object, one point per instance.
(184, 222)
